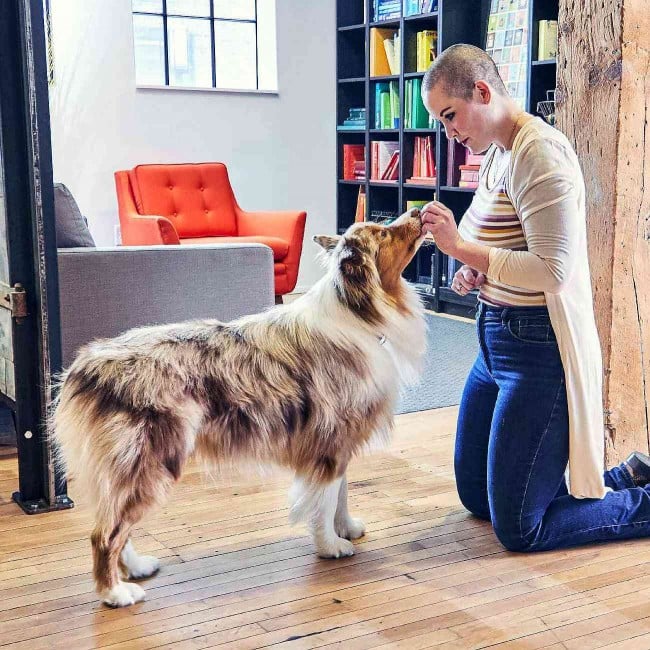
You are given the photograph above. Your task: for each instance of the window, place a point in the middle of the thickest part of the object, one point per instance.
(227, 44)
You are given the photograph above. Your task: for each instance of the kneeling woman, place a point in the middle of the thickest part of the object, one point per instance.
(532, 404)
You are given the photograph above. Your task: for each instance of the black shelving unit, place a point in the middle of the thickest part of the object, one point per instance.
(455, 21)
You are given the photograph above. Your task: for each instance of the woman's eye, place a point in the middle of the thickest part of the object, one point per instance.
(450, 117)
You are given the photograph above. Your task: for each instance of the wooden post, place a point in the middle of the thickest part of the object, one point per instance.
(602, 106)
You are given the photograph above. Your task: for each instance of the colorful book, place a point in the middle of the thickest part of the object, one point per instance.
(379, 65)
(353, 154)
(360, 213)
(547, 40)
(426, 49)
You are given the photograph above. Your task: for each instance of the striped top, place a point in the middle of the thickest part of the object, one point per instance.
(491, 220)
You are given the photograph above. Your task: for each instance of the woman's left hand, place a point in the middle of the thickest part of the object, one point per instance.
(439, 220)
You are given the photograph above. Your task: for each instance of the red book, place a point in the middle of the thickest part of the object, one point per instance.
(352, 153)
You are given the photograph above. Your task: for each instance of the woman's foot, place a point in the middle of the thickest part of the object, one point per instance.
(638, 467)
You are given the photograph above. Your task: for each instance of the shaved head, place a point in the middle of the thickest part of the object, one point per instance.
(459, 67)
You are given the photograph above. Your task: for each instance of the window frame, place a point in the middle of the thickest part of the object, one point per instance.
(165, 15)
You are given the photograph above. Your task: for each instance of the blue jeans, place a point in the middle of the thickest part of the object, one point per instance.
(512, 443)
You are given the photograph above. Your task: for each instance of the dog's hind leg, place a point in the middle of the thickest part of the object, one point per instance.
(346, 526)
(107, 548)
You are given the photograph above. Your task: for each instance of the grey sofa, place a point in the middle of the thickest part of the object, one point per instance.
(105, 291)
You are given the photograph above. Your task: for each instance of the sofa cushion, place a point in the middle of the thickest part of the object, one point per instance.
(279, 246)
(71, 228)
(196, 198)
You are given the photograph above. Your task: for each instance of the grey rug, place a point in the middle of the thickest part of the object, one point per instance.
(452, 348)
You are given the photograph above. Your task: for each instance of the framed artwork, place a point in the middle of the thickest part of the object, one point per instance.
(507, 42)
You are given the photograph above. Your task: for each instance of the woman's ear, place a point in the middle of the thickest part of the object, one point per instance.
(327, 242)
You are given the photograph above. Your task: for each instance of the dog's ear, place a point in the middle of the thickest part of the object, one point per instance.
(327, 242)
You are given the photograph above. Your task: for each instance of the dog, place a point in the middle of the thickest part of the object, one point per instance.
(306, 386)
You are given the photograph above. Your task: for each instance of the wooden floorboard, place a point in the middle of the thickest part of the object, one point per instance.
(236, 575)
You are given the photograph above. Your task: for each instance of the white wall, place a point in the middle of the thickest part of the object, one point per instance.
(279, 149)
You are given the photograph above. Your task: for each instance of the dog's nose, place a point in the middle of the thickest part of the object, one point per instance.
(415, 213)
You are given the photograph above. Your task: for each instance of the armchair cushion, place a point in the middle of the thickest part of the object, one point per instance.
(197, 199)
(71, 228)
(279, 247)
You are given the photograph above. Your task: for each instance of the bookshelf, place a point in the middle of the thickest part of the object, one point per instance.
(455, 21)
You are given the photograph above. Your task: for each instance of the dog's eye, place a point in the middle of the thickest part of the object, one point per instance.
(383, 233)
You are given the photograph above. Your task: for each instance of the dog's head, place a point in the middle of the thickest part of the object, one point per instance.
(368, 262)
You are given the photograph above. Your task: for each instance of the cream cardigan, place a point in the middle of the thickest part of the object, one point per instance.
(545, 184)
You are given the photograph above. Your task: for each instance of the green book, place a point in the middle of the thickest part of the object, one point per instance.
(386, 122)
(394, 105)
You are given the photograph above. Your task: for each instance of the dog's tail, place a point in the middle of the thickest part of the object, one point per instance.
(87, 435)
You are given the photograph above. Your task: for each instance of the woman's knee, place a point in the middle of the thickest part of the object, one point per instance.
(473, 499)
(513, 538)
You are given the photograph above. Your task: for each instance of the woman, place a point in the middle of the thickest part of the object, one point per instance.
(532, 404)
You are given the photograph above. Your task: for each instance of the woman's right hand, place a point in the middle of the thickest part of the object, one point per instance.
(466, 279)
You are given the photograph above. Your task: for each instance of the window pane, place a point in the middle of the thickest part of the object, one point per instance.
(149, 50)
(190, 53)
(189, 8)
(235, 54)
(242, 9)
(151, 6)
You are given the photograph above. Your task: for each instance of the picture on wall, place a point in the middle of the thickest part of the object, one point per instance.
(507, 42)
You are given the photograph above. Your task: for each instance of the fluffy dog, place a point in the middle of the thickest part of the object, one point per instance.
(305, 386)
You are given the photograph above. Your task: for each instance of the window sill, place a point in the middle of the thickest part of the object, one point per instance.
(210, 90)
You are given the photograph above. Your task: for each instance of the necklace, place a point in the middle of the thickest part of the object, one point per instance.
(495, 170)
(512, 132)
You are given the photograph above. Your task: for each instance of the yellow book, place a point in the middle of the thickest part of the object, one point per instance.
(547, 40)
(426, 49)
(379, 65)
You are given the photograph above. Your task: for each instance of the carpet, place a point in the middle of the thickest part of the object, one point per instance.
(451, 350)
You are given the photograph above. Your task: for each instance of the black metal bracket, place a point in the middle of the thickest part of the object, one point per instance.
(38, 506)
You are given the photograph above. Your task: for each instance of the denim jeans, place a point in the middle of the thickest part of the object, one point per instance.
(512, 443)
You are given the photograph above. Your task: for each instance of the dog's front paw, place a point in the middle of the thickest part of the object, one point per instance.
(122, 594)
(335, 548)
(356, 528)
(143, 566)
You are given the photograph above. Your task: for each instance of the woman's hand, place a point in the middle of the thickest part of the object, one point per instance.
(466, 279)
(439, 220)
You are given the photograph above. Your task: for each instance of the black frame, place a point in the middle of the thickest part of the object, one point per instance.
(165, 15)
(457, 21)
(31, 239)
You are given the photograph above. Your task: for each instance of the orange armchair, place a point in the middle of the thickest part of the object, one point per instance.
(195, 204)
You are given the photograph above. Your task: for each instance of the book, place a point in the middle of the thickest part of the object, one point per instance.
(392, 47)
(456, 156)
(387, 105)
(381, 153)
(391, 173)
(426, 49)
(386, 9)
(547, 40)
(360, 213)
(420, 203)
(353, 154)
(414, 7)
(379, 64)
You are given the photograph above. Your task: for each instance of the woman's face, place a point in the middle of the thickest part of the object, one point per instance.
(465, 120)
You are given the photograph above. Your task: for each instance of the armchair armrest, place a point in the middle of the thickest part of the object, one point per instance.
(138, 229)
(141, 230)
(125, 287)
(288, 225)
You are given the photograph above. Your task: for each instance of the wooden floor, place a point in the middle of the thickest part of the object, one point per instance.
(235, 575)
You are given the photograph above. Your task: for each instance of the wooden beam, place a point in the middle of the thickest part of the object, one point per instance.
(603, 96)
